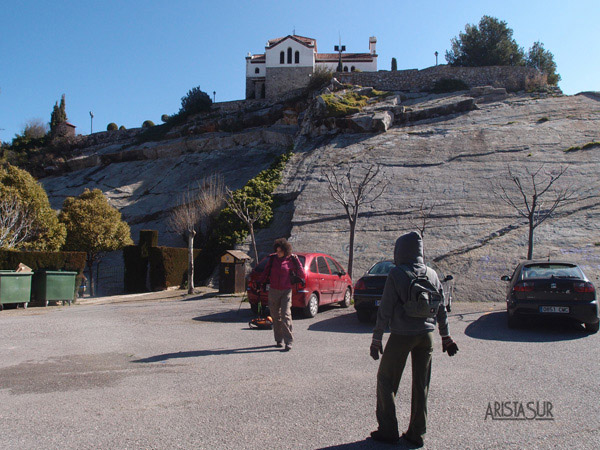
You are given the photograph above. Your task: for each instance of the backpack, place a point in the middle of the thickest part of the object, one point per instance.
(423, 300)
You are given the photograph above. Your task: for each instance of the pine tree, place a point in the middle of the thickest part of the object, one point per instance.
(59, 114)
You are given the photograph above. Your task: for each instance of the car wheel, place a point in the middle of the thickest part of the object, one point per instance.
(345, 303)
(312, 307)
(592, 327)
(364, 315)
(254, 307)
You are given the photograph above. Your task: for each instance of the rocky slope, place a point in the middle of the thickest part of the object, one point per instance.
(445, 150)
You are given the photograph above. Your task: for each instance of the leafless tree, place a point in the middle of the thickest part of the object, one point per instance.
(34, 129)
(16, 223)
(211, 200)
(422, 217)
(537, 197)
(353, 191)
(184, 220)
(248, 211)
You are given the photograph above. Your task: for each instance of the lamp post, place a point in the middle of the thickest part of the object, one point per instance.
(214, 96)
(91, 122)
(436, 55)
(340, 48)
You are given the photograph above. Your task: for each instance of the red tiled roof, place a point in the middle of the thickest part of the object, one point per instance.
(309, 42)
(346, 57)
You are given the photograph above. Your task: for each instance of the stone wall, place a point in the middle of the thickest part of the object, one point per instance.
(510, 77)
(281, 80)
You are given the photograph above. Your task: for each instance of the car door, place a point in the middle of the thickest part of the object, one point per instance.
(338, 283)
(326, 284)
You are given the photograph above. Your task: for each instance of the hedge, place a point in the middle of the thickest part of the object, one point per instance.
(68, 261)
(136, 269)
(168, 267)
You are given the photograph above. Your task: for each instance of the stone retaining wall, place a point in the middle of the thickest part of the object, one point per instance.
(510, 77)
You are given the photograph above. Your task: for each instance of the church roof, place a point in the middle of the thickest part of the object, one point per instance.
(308, 42)
(346, 57)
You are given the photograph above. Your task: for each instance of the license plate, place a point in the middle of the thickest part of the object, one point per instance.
(554, 309)
(377, 302)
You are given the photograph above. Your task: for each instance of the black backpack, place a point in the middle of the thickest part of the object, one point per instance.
(423, 300)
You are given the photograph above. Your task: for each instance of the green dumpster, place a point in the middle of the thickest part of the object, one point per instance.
(15, 287)
(53, 286)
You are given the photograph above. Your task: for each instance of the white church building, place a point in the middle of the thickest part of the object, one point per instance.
(288, 62)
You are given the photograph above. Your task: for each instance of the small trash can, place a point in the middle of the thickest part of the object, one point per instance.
(54, 286)
(15, 287)
(232, 275)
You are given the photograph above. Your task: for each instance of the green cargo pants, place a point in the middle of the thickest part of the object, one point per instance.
(390, 371)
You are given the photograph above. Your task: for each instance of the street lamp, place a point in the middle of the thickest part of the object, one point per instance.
(436, 55)
(214, 96)
(340, 48)
(91, 122)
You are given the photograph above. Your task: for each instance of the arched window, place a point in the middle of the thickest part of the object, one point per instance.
(257, 70)
(297, 57)
(345, 68)
(281, 57)
(352, 69)
(289, 55)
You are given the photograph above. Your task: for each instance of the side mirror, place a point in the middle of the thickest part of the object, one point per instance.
(342, 273)
(448, 278)
(505, 278)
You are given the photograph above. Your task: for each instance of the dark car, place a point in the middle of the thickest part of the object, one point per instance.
(369, 289)
(551, 289)
(326, 282)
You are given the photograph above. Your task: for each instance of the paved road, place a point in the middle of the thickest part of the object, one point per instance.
(187, 373)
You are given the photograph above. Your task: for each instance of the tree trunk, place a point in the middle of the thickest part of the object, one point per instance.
(90, 264)
(351, 247)
(191, 262)
(530, 249)
(254, 245)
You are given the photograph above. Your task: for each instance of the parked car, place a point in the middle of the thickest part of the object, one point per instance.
(551, 289)
(326, 282)
(369, 289)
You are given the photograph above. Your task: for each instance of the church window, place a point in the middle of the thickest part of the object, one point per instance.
(257, 70)
(352, 69)
(297, 57)
(281, 57)
(289, 59)
(345, 68)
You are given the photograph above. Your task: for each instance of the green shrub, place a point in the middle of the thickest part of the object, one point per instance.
(164, 118)
(449, 85)
(587, 146)
(543, 119)
(136, 259)
(319, 78)
(112, 127)
(147, 124)
(168, 267)
(195, 101)
(122, 127)
(69, 261)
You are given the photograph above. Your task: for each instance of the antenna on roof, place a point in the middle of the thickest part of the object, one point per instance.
(294, 31)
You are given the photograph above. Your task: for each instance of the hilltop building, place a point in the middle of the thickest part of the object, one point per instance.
(288, 62)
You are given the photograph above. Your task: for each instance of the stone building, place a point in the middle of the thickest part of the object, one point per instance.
(288, 62)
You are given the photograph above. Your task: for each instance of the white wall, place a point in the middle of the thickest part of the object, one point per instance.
(306, 54)
(363, 66)
(250, 69)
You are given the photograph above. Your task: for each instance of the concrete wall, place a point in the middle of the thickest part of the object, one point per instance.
(510, 77)
(281, 80)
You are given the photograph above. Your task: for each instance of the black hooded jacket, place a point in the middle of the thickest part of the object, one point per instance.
(408, 255)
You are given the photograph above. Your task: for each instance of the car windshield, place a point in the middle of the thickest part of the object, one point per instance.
(381, 268)
(551, 270)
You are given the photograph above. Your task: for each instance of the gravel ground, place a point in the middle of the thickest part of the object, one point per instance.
(167, 371)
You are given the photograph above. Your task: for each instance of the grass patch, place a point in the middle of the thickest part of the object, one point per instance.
(349, 102)
(542, 120)
(587, 146)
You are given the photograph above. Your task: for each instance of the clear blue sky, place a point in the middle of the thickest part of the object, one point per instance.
(129, 60)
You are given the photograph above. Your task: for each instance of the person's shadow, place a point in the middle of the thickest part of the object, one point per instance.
(199, 353)
(369, 444)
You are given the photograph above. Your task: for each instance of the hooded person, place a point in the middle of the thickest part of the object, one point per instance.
(408, 335)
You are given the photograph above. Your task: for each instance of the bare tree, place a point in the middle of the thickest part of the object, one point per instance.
(529, 201)
(248, 210)
(211, 200)
(353, 191)
(35, 129)
(422, 216)
(184, 220)
(16, 223)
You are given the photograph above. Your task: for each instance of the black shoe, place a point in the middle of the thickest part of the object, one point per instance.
(381, 437)
(416, 442)
(287, 348)
(278, 344)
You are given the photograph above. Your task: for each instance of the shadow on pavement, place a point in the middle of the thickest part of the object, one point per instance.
(368, 443)
(198, 353)
(493, 327)
(347, 323)
(231, 316)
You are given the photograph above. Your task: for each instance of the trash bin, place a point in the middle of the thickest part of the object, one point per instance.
(15, 287)
(232, 275)
(53, 286)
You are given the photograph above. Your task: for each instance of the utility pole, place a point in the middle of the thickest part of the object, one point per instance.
(436, 55)
(340, 48)
(91, 122)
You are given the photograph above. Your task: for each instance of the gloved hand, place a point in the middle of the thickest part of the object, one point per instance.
(448, 345)
(376, 348)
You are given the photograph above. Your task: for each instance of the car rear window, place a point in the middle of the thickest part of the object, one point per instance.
(381, 268)
(551, 270)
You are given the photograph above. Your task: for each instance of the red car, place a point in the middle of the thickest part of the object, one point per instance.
(326, 282)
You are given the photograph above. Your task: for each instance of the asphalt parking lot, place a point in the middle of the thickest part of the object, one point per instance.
(177, 372)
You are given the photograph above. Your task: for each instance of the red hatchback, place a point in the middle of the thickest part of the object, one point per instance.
(326, 282)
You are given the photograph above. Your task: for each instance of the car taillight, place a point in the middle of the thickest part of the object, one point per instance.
(360, 285)
(583, 287)
(526, 286)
